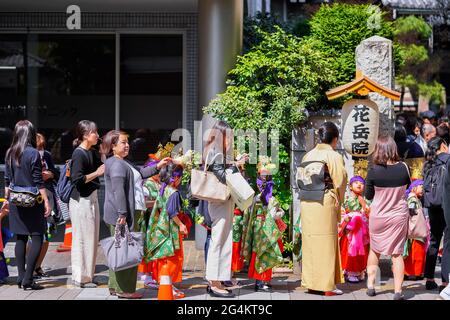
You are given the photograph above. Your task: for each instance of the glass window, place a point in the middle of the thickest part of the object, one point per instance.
(55, 81)
(151, 88)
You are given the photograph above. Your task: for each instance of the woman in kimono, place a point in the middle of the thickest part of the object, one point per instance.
(262, 235)
(320, 213)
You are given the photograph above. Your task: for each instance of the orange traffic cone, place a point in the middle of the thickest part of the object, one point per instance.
(67, 245)
(165, 284)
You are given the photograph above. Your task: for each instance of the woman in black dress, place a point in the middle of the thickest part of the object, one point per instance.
(24, 169)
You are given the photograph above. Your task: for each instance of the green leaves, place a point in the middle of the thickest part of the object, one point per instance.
(272, 84)
(412, 25)
(434, 91)
(339, 29)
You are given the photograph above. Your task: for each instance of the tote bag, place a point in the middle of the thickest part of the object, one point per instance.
(123, 251)
(206, 186)
(417, 226)
(241, 192)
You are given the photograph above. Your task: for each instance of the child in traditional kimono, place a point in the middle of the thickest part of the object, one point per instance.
(262, 235)
(167, 226)
(415, 249)
(151, 189)
(237, 261)
(354, 232)
(3, 267)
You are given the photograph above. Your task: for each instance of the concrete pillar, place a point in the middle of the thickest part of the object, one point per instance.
(375, 59)
(220, 28)
(220, 42)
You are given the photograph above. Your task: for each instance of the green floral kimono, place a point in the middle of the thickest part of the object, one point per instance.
(352, 204)
(260, 235)
(297, 240)
(238, 227)
(153, 189)
(162, 235)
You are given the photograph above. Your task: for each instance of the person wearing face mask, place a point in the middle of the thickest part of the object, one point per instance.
(124, 201)
(320, 213)
(263, 229)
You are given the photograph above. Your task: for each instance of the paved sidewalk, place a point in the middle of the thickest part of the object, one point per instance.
(286, 285)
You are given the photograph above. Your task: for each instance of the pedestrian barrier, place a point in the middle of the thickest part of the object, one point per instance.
(67, 245)
(165, 291)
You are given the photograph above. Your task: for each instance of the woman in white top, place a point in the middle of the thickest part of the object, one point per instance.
(124, 201)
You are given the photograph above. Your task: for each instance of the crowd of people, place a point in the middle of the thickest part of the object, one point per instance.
(400, 209)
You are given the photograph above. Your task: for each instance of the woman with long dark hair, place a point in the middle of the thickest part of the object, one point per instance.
(24, 169)
(387, 181)
(86, 168)
(218, 155)
(436, 156)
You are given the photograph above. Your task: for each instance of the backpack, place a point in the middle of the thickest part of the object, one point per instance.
(311, 180)
(64, 187)
(434, 183)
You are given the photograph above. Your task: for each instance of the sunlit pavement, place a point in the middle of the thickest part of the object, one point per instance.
(286, 286)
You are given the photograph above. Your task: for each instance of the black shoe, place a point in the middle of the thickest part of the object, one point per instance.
(431, 285)
(32, 286)
(399, 296)
(262, 287)
(214, 293)
(40, 273)
(371, 292)
(441, 288)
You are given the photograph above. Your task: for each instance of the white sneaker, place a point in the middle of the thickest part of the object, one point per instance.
(445, 294)
(335, 292)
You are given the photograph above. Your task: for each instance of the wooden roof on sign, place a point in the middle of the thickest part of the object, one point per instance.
(362, 85)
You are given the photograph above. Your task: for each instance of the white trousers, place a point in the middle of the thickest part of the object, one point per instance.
(218, 265)
(85, 216)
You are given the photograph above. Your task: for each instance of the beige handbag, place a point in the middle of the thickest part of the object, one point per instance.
(241, 192)
(417, 226)
(206, 186)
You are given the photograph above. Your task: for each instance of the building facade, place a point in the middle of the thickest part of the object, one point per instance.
(144, 66)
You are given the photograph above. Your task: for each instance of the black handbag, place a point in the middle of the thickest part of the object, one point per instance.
(26, 197)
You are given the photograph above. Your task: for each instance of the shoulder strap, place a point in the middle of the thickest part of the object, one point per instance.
(11, 166)
(407, 169)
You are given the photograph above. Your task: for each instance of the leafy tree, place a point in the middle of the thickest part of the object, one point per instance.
(417, 68)
(271, 87)
(339, 29)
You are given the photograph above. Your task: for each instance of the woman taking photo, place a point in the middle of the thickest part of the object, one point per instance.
(124, 201)
(437, 158)
(217, 154)
(387, 181)
(321, 267)
(24, 169)
(86, 168)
